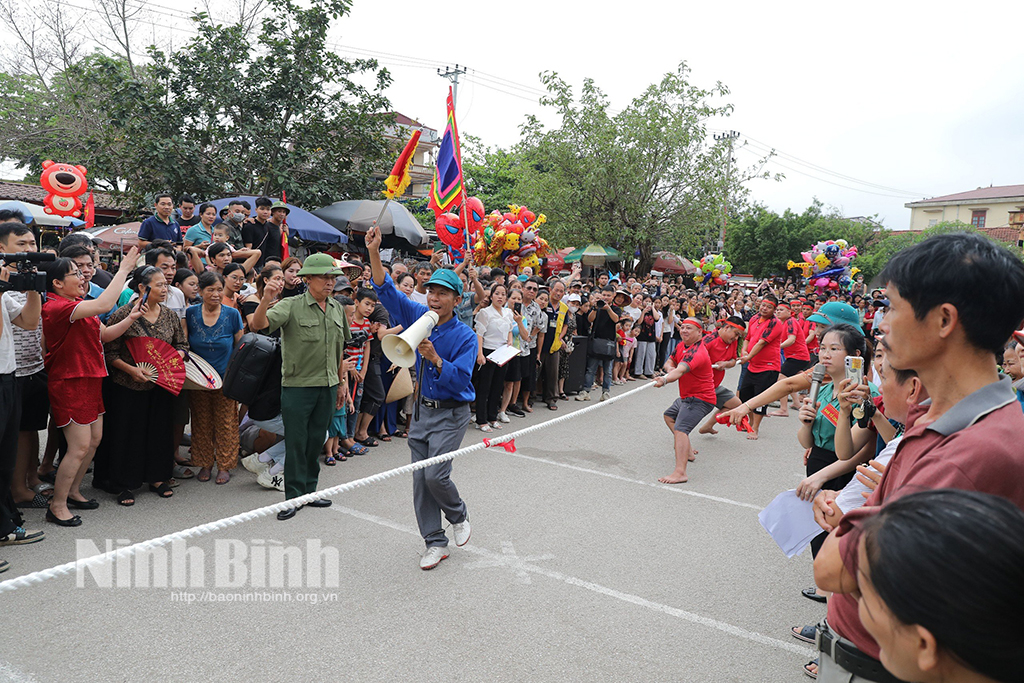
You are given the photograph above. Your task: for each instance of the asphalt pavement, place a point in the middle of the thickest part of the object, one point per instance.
(581, 567)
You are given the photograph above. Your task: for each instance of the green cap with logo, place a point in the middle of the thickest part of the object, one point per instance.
(280, 205)
(836, 312)
(446, 278)
(319, 264)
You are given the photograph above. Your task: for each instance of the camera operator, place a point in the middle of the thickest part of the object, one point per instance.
(14, 238)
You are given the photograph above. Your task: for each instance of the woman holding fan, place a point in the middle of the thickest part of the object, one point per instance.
(137, 444)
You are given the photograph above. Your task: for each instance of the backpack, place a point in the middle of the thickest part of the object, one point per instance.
(256, 359)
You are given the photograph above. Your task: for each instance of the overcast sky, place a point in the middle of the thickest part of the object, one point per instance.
(908, 96)
(901, 100)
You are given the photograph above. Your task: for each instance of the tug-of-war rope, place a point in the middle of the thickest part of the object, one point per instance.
(203, 529)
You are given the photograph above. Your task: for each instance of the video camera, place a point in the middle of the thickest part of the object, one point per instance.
(28, 278)
(358, 339)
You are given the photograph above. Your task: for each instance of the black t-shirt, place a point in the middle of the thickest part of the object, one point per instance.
(604, 328)
(102, 278)
(583, 324)
(646, 327)
(299, 289)
(263, 236)
(187, 222)
(379, 315)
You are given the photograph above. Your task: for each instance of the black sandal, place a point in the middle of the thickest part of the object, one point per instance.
(163, 490)
(126, 498)
(369, 441)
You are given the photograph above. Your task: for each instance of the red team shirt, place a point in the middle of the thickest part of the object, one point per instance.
(718, 351)
(797, 350)
(73, 349)
(699, 382)
(812, 347)
(774, 333)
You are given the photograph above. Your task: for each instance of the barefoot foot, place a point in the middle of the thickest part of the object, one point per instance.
(707, 429)
(674, 478)
(752, 436)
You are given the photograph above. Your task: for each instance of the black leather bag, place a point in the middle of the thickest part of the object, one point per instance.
(603, 349)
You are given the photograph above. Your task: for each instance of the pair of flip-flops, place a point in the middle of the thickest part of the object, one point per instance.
(357, 449)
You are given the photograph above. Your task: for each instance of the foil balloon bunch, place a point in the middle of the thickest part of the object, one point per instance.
(713, 268)
(451, 228)
(826, 266)
(511, 240)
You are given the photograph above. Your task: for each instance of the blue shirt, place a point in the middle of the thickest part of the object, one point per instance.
(197, 234)
(214, 344)
(454, 342)
(155, 229)
(94, 293)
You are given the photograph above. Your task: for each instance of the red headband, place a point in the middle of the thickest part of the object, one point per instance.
(695, 323)
(732, 324)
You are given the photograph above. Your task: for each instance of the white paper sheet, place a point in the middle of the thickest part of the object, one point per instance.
(790, 522)
(503, 354)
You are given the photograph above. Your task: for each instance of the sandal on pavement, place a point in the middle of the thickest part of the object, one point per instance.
(43, 488)
(369, 441)
(807, 668)
(163, 490)
(812, 594)
(182, 472)
(4, 566)
(126, 498)
(223, 477)
(804, 633)
(205, 474)
(384, 437)
(330, 461)
(358, 449)
(39, 501)
(402, 433)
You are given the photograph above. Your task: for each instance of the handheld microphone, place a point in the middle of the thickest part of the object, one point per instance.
(816, 379)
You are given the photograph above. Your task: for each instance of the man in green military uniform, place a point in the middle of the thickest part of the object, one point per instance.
(314, 330)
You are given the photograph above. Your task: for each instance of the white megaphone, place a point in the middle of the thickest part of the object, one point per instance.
(401, 348)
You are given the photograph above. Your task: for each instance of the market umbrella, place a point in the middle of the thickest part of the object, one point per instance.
(124, 236)
(359, 214)
(674, 264)
(593, 255)
(34, 213)
(301, 222)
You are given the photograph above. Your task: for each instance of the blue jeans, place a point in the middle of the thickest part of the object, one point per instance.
(606, 379)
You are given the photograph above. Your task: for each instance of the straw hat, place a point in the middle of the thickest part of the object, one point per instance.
(401, 386)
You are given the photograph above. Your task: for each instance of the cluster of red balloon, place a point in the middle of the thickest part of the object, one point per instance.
(511, 240)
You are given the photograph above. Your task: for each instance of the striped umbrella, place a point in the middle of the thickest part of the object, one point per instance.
(593, 255)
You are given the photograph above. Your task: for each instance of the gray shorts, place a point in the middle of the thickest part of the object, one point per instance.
(722, 396)
(687, 413)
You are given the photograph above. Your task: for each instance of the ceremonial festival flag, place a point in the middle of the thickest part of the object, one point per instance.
(398, 181)
(90, 212)
(446, 187)
(284, 231)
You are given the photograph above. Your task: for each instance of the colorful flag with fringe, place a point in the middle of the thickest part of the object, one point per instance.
(398, 181)
(446, 187)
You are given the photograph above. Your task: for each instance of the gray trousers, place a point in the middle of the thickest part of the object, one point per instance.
(549, 375)
(643, 363)
(830, 672)
(438, 431)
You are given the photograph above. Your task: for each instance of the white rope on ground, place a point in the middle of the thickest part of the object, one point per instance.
(203, 529)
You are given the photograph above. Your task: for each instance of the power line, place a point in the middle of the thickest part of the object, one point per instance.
(765, 147)
(820, 179)
(484, 84)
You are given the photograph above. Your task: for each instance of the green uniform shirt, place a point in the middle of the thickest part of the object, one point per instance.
(312, 341)
(823, 429)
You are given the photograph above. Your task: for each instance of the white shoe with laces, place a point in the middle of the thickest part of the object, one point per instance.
(253, 463)
(271, 481)
(462, 532)
(484, 427)
(433, 557)
(605, 396)
(584, 395)
(502, 417)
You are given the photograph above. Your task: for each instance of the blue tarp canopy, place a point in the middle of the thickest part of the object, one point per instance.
(302, 222)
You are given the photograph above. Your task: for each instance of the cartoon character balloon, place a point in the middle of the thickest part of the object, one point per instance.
(451, 228)
(511, 240)
(713, 268)
(64, 185)
(826, 266)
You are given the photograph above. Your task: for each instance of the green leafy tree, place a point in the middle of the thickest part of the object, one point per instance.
(642, 180)
(230, 112)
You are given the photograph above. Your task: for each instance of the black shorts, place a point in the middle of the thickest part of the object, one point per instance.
(723, 396)
(792, 366)
(514, 369)
(35, 402)
(755, 383)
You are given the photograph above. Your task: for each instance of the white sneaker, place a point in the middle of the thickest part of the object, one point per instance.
(605, 396)
(253, 464)
(484, 427)
(271, 481)
(462, 532)
(583, 395)
(433, 557)
(502, 417)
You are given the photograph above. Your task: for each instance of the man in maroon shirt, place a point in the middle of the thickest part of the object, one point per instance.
(762, 356)
(691, 365)
(948, 320)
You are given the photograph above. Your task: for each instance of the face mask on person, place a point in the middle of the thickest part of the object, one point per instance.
(573, 308)
(238, 217)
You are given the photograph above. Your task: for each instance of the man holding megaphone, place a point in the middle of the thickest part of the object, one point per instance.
(445, 350)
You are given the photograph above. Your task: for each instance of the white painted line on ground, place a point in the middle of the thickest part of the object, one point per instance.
(522, 564)
(675, 488)
(9, 673)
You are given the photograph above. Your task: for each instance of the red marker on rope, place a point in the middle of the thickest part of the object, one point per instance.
(509, 446)
(743, 426)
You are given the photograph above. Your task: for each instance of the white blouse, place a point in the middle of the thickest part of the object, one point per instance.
(494, 326)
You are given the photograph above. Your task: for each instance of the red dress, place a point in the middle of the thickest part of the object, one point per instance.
(74, 363)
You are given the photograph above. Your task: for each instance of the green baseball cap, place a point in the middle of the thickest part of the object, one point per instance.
(280, 205)
(319, 264)
(446, 278)
(836, 312)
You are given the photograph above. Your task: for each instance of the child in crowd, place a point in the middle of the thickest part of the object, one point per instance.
(340, 444)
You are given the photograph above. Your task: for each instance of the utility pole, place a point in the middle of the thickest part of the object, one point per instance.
(453, 76)
(730, 136)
